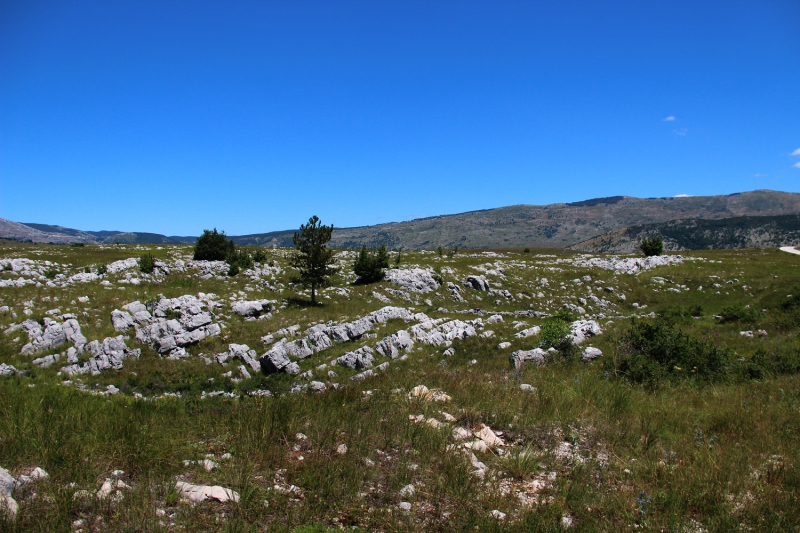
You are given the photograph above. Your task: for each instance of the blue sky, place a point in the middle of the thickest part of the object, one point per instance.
(172, 117)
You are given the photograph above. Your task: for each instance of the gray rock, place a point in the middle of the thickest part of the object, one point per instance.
(580, 330)
(591, 353)
(298, 348)
(529, 332)
(135, 307)
(72, 332)
(7, 481)
(276, 360)
(358, 359)
(7, 370)
(435, 333)
(121, 320)
(251, 308)
(536, 356)
(478, 283)
(317, 386)
(391, 345)
(44, 362)
(370, 372)
(413, 279)
(104, 356)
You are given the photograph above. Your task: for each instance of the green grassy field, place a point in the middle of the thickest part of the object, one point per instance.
(589, 448)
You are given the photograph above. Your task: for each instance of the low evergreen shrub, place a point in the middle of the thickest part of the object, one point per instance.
(652, 246)
(370, 267)
(737, 313)
(259, 256)
(240, 259)
(213, 246)
(654, 350)
(147, 263)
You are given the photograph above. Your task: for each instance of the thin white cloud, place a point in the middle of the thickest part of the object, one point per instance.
(796, 152)
(680, 132)
(671, 118)
(797, 165)
(759, 175)
(683, 195)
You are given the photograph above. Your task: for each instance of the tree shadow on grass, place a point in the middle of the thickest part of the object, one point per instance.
(302, 302)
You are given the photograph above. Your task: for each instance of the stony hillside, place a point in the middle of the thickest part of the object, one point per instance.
(489, 392)
(47, 233)
(546, 226)
(699, 234)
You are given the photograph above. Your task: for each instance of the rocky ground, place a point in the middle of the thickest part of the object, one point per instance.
(189, 400)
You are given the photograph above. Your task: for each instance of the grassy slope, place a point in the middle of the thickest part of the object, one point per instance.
(716, 455)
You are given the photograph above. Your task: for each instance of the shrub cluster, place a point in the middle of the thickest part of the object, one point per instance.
(555, 334)
(213, 246)
(102, 270)
(652, 351)
(238, 260)
(737, 313)
(652, 246)
(370, 266)
(259, 256)
(147, 263)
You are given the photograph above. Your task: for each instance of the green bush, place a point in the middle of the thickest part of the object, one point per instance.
(370, 267)
(78, 244)
(437, 275)
(233, 270)
(102, 270)
(792, 300)
(652, 246)
(555, 334)
(259, 256)
(652, 351)
(564, 314)
(147, 263)
(51, 273)
(526, 251)
(440, 250)
(682, 314)
(737, 313)
(240, 259)
(213, 246)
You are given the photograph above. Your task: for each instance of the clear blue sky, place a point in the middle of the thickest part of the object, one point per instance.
(172, 117)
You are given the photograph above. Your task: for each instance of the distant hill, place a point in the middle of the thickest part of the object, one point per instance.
(699, 234)
(537, 226)
(546, 226)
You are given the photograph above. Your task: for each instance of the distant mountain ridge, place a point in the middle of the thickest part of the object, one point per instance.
(700, 234)
(559, 225)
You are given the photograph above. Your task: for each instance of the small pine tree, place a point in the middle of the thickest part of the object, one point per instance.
(652, 246)
(313, 258)
(440, 251)
(370, 267)
(382, 257)
(147, 263)
(363, 265)
(213, 246)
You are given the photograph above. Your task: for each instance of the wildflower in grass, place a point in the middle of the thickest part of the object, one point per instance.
(642, 501)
